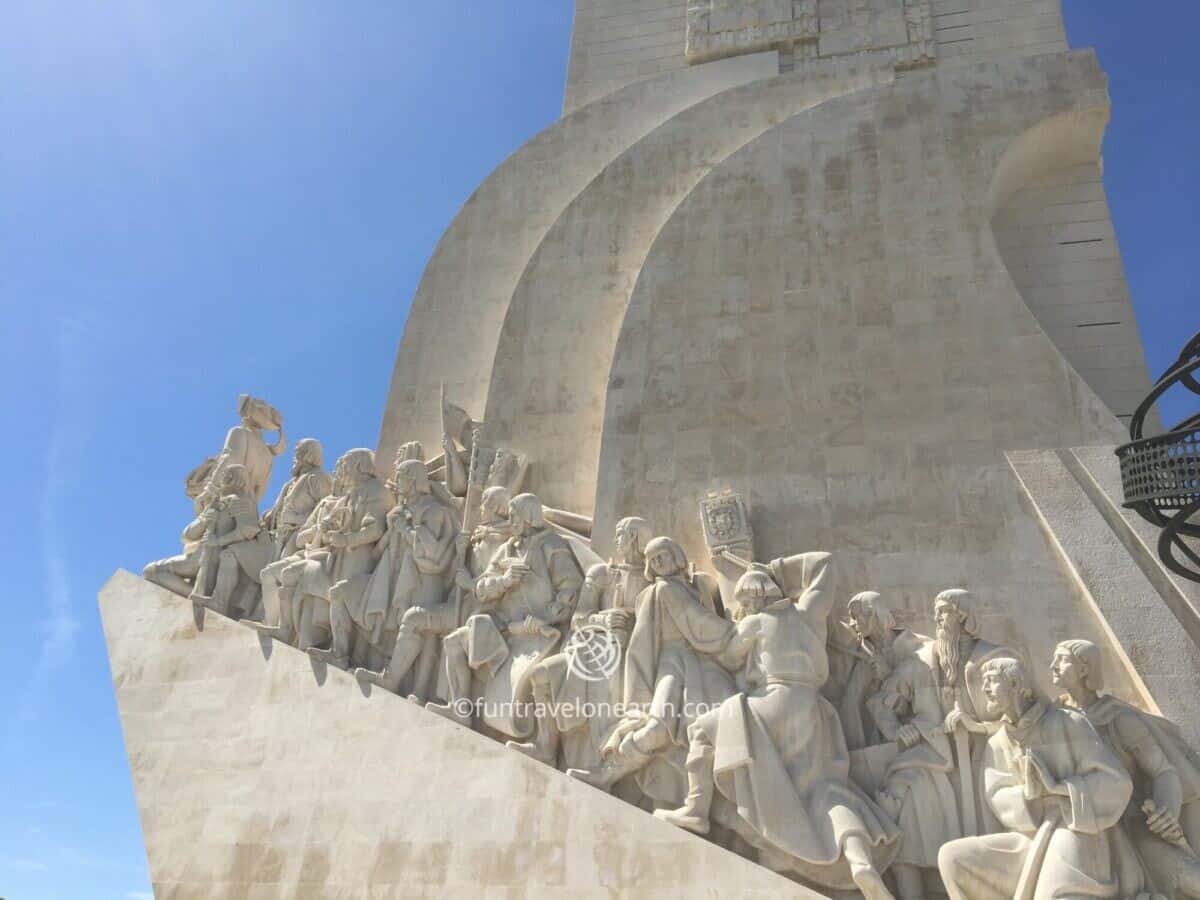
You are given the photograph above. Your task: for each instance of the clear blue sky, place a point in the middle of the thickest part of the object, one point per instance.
(200, 199)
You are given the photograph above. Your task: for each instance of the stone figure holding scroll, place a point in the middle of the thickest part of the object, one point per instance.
(775, 753)
(1057, 789)
(298, 497)
(526, 597)
(580, 704)
(1163, 817)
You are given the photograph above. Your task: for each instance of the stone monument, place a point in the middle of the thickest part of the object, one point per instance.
(777, 387)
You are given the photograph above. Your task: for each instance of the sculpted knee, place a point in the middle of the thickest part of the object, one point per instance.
(950, 857)
(414, 619)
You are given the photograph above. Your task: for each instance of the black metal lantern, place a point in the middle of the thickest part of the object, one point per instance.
(1160, 475)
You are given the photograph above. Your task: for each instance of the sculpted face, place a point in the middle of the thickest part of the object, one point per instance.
(863, 621)
(1066, 671)
(623, 544)
(948, 621)
(662, 562)
(1001, 693)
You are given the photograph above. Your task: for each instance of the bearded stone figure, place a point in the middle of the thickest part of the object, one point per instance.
(1163, 817)
(956, 657)
(527, 594)
(1055, 787)
(298, 497)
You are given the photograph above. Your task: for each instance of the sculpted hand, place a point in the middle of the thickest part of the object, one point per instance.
(908, 736)
(515, 573)
(957, 717)
(1162, 823)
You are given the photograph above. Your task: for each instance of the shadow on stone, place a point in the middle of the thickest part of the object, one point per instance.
(320, 670)
(265, 642)
(198, 615)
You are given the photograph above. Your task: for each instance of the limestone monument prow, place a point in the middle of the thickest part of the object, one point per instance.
(749, 459)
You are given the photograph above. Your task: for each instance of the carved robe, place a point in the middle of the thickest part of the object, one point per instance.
(502, 659)
(1056, 846)
(297, 499)
(780, 760)
(585, 709)
(919, 777)
(1164, 769)
(676, 635)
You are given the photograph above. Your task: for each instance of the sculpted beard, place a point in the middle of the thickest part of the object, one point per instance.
(948, 648)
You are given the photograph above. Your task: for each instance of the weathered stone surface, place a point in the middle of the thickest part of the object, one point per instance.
(257, 778)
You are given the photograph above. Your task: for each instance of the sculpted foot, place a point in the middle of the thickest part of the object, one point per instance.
(366, 676)
(329, 657)
(530, 749)
(682, 818)
(449, 711)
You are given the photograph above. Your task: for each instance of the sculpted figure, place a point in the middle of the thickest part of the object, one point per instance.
(1055, 786)
(956, 657)
(576, 700)
(880, 646)
(301, 579)
(776, 752)
(671, 676)
(244, 446)
(407, 596)
(361, 519)
(1163, 818)
(526, 596)
(178, 573)
(233, 550)
(298, 497)
(476, 551)
(905, 711)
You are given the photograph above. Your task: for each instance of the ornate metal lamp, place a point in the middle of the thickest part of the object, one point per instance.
(1160, 475)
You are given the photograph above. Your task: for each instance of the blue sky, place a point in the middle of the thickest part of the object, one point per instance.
(200, 199)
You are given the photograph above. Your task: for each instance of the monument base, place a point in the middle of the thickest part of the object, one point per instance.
(262, 774)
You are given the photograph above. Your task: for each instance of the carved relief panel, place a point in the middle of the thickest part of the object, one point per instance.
(813, 28)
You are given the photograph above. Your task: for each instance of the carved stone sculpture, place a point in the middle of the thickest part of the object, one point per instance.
(912, 751)
(775, 752)
(244, 446)
(526, 596)
(1057, 788)
(671, 676)
(578, 699)
(303, 619)
(956, 657)
(880, 647)
(363, 518)
(406, 603)
(233, 550)
(1163, 817)
(298, 497)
